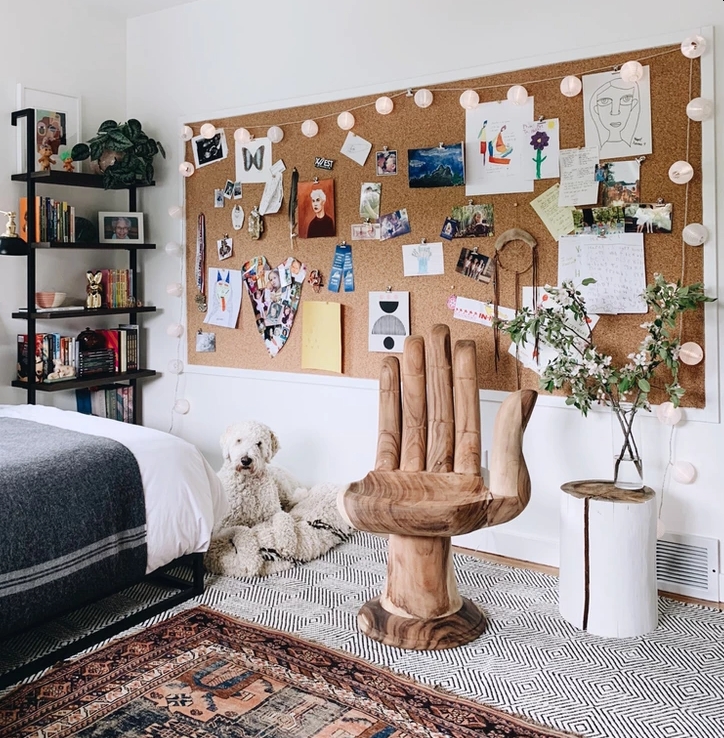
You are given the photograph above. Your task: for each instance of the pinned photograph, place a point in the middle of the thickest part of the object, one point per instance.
(205, 342)
(389, 321)
(474, 265)
(438, 166)
(209, 150)
(253, 160)
(218, 198)
(237, 190)
(619, 182)
(394, 224)
(473, 221)
(369, 200)
(225, 247)
(449, 228)
(386, 162)
(598, 221)
(647, 218)
(228, 189)
(356, 148)
(315, 209)
(423, 259)
(365, 232)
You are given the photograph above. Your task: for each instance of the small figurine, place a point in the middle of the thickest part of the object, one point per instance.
(315, 279)
(46, 158)
(67, 160)
(94, 290)
(61, 371)
(256, 224)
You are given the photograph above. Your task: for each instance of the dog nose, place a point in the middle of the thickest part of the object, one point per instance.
(245, 461)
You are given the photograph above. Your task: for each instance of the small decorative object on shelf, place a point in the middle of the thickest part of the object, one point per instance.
(67, 160)
(94, 290)
(588, 374)
(46, 160)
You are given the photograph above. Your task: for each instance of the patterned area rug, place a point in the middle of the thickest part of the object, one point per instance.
(201, 674)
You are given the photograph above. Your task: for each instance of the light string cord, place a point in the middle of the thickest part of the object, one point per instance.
(182, 309)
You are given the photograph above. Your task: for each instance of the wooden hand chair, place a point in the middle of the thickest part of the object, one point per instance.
(426, 487)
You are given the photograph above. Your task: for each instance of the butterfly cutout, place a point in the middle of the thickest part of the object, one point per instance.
(256, 159)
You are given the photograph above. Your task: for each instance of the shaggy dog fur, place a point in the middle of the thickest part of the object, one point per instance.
(272, 523)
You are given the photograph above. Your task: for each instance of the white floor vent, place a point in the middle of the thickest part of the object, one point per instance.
(688, 565)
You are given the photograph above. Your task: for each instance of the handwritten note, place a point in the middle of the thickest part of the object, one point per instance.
(322, 336)
(578, 176)
(617, 264)
(558, 220)
(482, 313)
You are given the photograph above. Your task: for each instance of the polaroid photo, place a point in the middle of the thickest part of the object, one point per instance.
(209, 150)
(450, 228)
(228, 189)
(205, 342)
(474, 265)
(386, 162)
(648, 218)
(218, 198)
(365, 232)
(225, 247)
(394, 224)
(237, 190)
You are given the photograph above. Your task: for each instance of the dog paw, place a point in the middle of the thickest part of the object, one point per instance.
(285, 536)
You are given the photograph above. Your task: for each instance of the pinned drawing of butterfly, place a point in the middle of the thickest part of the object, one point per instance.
(253, 160)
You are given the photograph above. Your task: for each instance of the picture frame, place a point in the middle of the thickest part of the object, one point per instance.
(117, 227)
(61, 128)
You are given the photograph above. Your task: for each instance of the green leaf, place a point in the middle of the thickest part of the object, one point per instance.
(107, 125)
(134, 127)
(80, 152)
(587, 281)
(161, 149)
(118, 142)
(644, 386)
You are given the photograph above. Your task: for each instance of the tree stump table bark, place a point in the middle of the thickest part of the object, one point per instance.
(607, 580)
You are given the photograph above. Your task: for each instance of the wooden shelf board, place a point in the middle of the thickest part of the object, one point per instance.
(72, 179)
(101, 246)
(82, 312)
(96, 381)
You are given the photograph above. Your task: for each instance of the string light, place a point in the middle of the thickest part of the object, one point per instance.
(176, 211)
(469, 99)
(173, 249)
(181, 407)
(695, 234)
(208, 130)
(668, 414)
(681, 172)
(693, 47)
(275, 134)
(632, 71)
(309, 128)
(241, 135)
(517, 95)
(176, 366)
(187, 133)
(571, 85)
(700, 109)
(684, 472)
(174, 289)
(186, 168)
(384, 105)
(423, 98)
(175, 330)
(345, 120)
(691, 353)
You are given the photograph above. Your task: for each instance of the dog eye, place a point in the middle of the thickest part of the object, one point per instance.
(259, 444)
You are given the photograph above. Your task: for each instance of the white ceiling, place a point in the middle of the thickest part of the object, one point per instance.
(134, 8)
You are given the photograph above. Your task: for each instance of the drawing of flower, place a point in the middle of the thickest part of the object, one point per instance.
(539, 140)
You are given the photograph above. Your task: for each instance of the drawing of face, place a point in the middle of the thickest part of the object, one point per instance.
(223, 290)
(49, 133)
(318, 200)
(615, 106)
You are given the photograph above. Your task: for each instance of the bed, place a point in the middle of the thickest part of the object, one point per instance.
(89, 506)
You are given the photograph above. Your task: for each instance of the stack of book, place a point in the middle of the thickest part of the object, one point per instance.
(51, 351)
(114, 402)
(54, 220)
(117, 286)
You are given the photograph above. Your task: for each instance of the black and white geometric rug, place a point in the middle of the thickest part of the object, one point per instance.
(529, 661)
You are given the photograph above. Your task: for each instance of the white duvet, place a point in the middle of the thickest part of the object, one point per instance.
(183, 494)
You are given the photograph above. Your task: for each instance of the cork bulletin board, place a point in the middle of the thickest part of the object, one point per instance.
(378, 264)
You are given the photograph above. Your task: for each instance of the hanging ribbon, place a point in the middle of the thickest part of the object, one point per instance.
(293, 205)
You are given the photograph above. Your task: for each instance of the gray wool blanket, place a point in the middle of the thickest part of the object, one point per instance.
(72, 521)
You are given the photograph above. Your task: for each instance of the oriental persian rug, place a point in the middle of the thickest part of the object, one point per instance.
(201, 674)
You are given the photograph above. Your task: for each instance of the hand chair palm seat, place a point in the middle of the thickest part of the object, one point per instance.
(426, 487)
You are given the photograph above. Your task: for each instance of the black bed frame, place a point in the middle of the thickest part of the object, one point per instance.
(187, 590)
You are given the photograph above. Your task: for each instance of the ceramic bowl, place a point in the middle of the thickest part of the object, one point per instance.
(49, 299)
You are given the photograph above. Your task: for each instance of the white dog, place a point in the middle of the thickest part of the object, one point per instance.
(272, 522)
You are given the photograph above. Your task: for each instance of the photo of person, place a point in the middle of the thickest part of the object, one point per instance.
(386, 163)
(114, 227)
(648, 218)
(228, 189)
(205, 342)
(315, 209)
(474, 265)
(224, 246)
(218, 198)
(209, 150)
(394, 224)
(598, 221)
(369, 200)
(473, 221)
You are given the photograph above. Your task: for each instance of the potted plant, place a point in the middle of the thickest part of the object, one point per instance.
(122, 152)
(589, 375)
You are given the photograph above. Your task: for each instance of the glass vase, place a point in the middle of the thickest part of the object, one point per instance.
(628, 470)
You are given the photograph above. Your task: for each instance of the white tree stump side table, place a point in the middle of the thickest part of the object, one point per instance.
(607, 580)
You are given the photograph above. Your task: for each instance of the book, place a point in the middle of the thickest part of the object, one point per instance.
(22, 357)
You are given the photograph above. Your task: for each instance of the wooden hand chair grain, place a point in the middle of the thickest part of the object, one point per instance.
(426, 487)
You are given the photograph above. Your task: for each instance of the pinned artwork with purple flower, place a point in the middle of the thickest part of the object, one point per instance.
(543, 139)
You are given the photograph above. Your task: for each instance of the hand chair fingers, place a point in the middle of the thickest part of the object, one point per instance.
(441, 419)
(390, 422)
(414, 406)
(467, 409)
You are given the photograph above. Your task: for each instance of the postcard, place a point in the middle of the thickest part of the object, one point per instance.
(438, 166)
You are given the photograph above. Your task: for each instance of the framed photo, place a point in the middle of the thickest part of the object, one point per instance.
(114, 227)
(57, 126)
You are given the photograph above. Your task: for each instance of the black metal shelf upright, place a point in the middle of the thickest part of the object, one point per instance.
(70, 179)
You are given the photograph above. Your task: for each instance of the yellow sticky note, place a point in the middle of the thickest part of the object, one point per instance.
(558, 220)
(322, 336)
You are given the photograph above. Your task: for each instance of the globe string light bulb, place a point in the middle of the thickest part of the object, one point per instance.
(310, 128)
(691, 353)
(275, 134)
(187, 133)
(423, 98)
(693, 47)
(172, 248)
(176, 211)
(571, 85)
(668, 414)
(469, 99)
(208, 130)
(175, 289)
(632, 71)
(186, 168)
(176, 366)
(684, 472)
(695, 234)
(241, 135)
(518, 95)
(681, 172)
(384, 105)
(181, 407)
(345, 120)
(175, 330)
(700, 109)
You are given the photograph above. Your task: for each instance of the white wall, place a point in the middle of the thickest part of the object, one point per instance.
(70, 49)
(222, 54)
